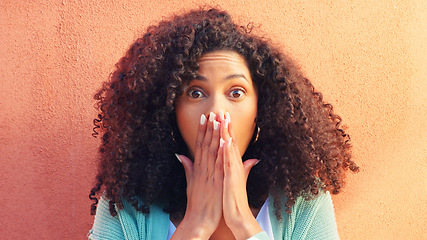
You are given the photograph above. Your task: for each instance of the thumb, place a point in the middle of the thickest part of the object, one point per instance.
(187, 163)
(248, 164)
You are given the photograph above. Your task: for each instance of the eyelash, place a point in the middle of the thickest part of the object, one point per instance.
(243, 92)
(190, 91)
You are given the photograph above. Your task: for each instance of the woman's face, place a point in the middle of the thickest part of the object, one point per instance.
(223, 84)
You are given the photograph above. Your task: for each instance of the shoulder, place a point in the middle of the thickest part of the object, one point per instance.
(310, 219)
(129, 223)
(105, 226)
(317, 204)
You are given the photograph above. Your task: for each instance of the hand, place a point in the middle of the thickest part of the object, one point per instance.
(237, 213)
(204, 184)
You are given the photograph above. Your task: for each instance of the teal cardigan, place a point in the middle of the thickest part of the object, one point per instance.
(312, 219)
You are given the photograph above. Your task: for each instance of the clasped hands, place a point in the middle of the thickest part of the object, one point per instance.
(216, 183)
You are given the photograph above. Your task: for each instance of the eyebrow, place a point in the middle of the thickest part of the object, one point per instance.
(202, 78)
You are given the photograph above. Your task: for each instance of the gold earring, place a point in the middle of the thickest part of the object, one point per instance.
(173, 138)
(257, 135)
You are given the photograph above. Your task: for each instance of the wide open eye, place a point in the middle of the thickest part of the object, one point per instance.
(237, 93)
(195, 93)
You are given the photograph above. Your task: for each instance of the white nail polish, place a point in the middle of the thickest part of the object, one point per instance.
(215, 125)
(221, 142)
(176, 155)
(202, 119)
(229, 141)
(221, 116)
(226, 123)
(211, 117)
(227, 116)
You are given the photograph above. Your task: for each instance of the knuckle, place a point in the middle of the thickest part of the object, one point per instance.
(199, 145)
(209, 130)
(205, 144)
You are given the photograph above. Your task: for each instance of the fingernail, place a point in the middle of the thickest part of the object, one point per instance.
(176, 155)
(215, 124)
(221, 116)
(221, 142)
(227, 116)
(211, 117)
(229, 141)
(202, 119)
(226, 123)
(257, 162)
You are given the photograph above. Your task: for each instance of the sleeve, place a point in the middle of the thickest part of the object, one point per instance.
(316, 219)
(105, 226)
(260, 236)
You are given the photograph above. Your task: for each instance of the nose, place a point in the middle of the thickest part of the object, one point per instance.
(217, 105)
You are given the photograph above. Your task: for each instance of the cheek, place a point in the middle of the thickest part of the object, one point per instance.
(244, 125)
(187, 121)
(244, 135)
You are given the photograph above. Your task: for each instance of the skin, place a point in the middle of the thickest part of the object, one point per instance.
(215, 116)
(224, 85)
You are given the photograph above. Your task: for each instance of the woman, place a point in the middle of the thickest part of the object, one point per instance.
(258, 149)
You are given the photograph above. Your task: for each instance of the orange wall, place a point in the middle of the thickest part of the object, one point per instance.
(367, 57)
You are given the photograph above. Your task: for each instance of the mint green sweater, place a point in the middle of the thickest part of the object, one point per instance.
(313, 219)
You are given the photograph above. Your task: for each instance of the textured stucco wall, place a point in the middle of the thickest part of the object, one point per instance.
(367, 57)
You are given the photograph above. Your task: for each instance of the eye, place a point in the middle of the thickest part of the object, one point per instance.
(237, 93)
(195, 93)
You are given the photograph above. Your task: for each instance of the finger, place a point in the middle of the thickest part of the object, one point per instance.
(199, 139)
(231, 135)
(228, 156)
(207, 142)
(248, 164)
(221, 116)
(213, 148)
(224, 127)
(236, 150)
(219, 164)
(230, 175)
(233, 167)
(230, 126)
(188, 165)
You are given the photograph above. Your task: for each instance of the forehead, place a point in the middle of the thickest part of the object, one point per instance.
(220, 63)
(222, 56)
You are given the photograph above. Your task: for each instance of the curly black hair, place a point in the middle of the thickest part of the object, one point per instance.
(303, 148)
